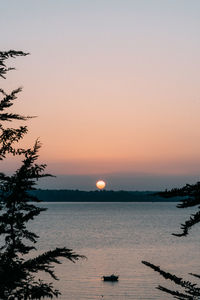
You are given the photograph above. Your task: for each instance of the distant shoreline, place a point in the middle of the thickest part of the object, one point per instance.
(99, 196)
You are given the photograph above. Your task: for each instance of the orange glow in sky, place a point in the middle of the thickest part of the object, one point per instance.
(115, 85)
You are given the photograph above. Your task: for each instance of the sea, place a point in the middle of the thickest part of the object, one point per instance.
(115, 238)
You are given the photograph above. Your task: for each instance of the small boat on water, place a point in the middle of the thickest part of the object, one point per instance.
(110, 278)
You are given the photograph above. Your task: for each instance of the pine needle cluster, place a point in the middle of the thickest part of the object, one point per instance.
(190, 197)
(17, 270)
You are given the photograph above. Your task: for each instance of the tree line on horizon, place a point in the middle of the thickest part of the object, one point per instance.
(98, 196)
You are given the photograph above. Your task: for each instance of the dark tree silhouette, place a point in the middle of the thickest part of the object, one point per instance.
(17, 269)
(190, 197)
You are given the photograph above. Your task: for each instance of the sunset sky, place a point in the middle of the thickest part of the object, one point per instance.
(115, 86)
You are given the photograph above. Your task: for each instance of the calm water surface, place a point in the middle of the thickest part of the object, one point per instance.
(115, 237)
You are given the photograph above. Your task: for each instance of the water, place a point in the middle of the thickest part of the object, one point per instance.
(115, 237)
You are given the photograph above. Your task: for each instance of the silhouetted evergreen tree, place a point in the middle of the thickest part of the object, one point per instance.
(17, 269)
(191, 197)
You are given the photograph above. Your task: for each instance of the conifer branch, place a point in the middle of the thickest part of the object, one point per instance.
(4, 55)
(43, 262)
(194, 219)
(175, 279)
(191, 197)
(17, 273)
(190, 288)
(176, 294)
(36, 290)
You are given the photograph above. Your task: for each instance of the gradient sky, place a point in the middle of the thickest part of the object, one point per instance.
(115, 86)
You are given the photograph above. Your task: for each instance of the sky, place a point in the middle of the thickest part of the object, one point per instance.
(115, 88)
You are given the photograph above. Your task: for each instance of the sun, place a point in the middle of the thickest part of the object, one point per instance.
(100, 184)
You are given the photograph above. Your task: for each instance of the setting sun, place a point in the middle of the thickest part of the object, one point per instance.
(100, 184)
